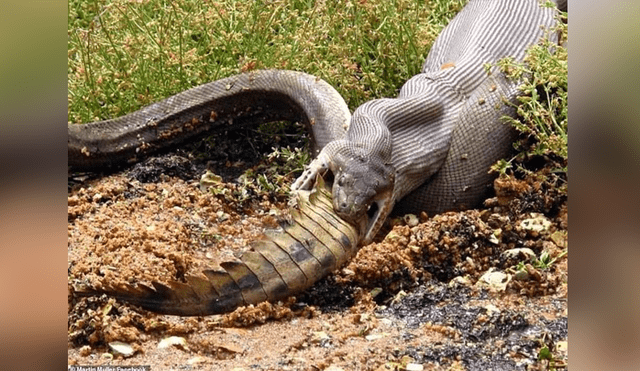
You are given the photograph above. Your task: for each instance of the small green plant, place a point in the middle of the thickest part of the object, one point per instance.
(292, 160)
(501, 167)
(552, 362)
(270, 179)
(542, 107)
(543, 262)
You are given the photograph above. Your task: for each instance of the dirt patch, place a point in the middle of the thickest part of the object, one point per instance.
(473, 290)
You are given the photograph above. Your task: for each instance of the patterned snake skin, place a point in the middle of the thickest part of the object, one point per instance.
(429, 149)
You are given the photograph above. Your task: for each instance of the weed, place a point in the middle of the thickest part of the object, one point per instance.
(542, 108)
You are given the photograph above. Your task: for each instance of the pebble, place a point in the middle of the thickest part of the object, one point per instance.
(522, 251)
(320, 337)
(177, 341)
(495, 280)
(537, 223)
(122, 348)
(411, 220)
(85, 350)
(373, 337)
(196, 360)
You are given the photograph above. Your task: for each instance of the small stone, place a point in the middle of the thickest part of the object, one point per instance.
(533, 272)
(230, 348)
(521, 275)
(524, 252)
(392, 236)
(495, 280)
(321, 338)
(470, 262)
(537, 223)
(222, 216)
(460, 280)
(97, 197)
(177, 341)
(494, 240)
(373, 337)
(348, 272)
(559, 238)
(209, 179)
(414, 367)
(411, 220)
(122, 348)
(196, 360)
(375, 292)
(85, 350)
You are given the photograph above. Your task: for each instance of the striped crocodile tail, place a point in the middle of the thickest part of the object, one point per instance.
(282, 263)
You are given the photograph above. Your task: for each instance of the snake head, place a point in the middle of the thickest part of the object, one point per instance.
(363, 184)
(363, 194)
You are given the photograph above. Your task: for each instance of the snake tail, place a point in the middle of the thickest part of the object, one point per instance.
(247, 99)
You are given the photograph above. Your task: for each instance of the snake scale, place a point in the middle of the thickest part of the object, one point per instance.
(429, 150)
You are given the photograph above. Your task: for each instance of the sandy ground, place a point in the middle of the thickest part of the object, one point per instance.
(455, 291)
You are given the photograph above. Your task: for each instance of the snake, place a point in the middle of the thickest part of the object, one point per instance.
(427, 150)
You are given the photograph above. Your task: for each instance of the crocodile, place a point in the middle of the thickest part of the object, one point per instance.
(313, 244)
(428, 150)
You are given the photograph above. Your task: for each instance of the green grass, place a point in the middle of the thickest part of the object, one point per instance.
(125, 54)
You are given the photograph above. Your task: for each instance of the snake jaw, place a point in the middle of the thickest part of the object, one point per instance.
(368, 217)
(363, 184)
(376, 215)
(364, 198)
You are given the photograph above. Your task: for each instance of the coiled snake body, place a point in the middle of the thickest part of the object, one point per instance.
(429, 149)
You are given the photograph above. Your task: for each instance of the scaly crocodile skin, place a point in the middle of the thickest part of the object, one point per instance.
(281, 263)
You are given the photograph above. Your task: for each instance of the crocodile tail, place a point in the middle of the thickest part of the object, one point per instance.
(280, 264)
